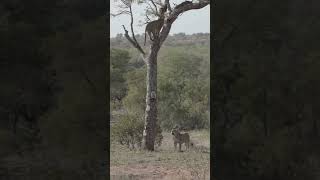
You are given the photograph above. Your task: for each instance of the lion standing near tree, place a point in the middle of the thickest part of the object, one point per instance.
(180, 138)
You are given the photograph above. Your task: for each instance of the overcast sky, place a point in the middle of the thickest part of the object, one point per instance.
(193, 21)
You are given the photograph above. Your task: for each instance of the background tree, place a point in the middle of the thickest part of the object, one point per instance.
(150, 58)
(191, 62)
(183, 90)
(118, 67)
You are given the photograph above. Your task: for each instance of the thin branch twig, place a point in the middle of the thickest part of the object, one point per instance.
(119, 13)
(132, 32)
(133, 42)
(155, 6)
(151, 10)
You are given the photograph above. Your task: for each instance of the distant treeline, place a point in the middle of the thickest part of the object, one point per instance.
(182, 39)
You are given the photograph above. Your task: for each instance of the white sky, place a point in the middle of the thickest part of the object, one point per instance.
(193, 21)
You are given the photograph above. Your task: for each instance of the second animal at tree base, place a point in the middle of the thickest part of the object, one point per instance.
(180, 138)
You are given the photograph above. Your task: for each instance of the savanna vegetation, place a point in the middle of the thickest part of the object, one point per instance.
(183, 89)
(164, 162)
(183, 98)
(159, 17)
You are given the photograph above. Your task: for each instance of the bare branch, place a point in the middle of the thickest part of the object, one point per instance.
(179, 9)
(131, 24)
(126, 3)
(122, 8)
(146, 21)
(126, 7)
(147, 17)
(132, 32)
(151, 10)
(133, 42)
(159, 3)
(155, 6)
(120, 13)
(189, 5)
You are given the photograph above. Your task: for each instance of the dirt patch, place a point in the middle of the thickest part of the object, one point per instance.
(145, 171)
(164, 162)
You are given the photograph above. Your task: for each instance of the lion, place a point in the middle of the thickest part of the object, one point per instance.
(180, 138)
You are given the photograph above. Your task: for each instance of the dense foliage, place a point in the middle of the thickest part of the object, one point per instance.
(184, 90)
(128, 130)
(183, 79)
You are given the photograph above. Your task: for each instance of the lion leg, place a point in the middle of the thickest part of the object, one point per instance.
(180, 147)
(175, 145)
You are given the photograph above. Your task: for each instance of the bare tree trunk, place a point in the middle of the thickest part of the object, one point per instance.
(149, 132)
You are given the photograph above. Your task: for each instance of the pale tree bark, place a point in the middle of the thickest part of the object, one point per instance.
(150, 58)
(149, 132)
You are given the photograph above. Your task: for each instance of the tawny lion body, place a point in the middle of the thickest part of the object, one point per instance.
(180, 138)
(153, 28)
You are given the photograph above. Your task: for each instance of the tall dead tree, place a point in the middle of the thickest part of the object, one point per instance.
(154, 8)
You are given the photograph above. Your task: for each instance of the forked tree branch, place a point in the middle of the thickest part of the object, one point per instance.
(173, 15)
(131, 25)
(136, 45)
(155, 6)
(132, 40)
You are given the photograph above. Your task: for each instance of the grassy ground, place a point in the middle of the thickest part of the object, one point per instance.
(164, 163)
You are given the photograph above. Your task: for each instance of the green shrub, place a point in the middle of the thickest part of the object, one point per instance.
(129, 131)
(159, 136)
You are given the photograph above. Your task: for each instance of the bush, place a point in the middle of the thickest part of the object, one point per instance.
(129, 131)
(183, 91)
(159, 136)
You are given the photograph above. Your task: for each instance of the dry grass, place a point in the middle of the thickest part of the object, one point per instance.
(164, 163)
